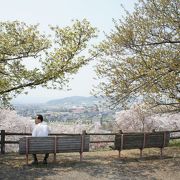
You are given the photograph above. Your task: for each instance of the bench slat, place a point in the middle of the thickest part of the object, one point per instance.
(41, 145)
(133, 141)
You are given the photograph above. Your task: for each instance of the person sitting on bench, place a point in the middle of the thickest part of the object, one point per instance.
(40, 130)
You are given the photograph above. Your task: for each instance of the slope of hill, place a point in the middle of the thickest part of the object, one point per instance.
(75, 100)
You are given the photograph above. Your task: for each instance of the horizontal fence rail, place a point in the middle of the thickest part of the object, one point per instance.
(3, 135)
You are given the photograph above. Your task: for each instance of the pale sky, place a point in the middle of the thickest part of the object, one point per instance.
(60, 12)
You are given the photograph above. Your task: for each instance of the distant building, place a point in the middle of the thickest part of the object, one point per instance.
(78, 109)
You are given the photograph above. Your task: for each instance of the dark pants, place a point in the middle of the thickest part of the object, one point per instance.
(45, 157)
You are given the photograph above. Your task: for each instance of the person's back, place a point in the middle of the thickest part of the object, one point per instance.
(40, 130)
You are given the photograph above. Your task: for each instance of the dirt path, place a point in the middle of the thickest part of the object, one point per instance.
(96, 165)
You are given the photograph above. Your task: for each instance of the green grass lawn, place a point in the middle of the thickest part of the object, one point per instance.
(175, 142)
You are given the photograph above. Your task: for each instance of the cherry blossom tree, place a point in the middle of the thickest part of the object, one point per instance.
(139, 118)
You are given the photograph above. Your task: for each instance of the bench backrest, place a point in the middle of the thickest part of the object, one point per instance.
(141, 140)
(57, 144)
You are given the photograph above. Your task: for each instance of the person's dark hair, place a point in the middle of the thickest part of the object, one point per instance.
(39, 116)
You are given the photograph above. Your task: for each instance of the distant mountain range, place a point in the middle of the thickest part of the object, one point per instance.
(75, 100)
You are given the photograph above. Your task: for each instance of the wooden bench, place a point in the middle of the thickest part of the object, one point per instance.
(54, 144)
(141, 140)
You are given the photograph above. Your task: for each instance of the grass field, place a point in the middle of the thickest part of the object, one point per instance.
(175, 143)
(96, 165)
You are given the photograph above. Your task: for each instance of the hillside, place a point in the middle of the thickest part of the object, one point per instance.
(75, 100)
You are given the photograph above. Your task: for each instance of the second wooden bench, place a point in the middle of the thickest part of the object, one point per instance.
(141, 140)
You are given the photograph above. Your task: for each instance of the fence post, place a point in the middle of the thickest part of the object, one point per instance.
(82, 144)
(2, 141)
(121, 146)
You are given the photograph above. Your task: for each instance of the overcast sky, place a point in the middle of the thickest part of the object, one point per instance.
(60, 12)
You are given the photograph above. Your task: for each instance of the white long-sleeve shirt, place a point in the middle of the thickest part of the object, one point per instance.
(40, 130)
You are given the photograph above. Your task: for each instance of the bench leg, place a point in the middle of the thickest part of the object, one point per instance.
(26, 159)
(81, 156)
(161, 152)
(119, 154)
(54, 157)
(141, 152)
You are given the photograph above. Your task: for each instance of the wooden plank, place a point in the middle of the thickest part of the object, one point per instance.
(102, 134)
(46, 144)
(93, 134)
(11, 142)
(132, 141)
(52, 148)
(42, 151)
(101, 141)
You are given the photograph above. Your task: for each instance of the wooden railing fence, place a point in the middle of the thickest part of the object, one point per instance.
(3, 135)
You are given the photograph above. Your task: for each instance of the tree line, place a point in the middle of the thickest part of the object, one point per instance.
(138, 59)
